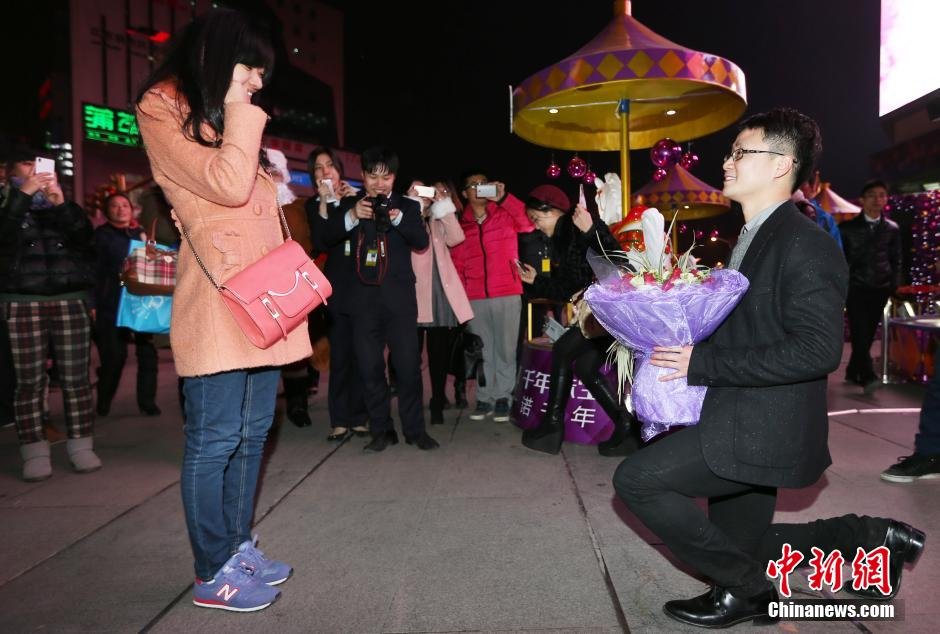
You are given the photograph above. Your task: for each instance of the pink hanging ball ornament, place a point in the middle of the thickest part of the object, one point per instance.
(589, 177)
(661, 154)
(693, 160)
(683, 228)
(554, 170)
(659, 174)
(676, 153)
(577, 167)
(686, 160)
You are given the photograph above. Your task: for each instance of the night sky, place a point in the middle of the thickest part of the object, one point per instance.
(432, 83)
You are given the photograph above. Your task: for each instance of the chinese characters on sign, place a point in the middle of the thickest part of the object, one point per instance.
(869, 569)
(110, 125)
(586, 422)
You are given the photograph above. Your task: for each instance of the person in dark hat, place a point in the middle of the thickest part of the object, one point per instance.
(572, 236)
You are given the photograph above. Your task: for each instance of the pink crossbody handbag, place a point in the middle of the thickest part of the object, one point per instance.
(274, 295)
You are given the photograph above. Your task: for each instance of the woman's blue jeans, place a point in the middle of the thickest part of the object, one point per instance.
(228, 416)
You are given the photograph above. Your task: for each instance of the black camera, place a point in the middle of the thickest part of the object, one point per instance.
(380, 206)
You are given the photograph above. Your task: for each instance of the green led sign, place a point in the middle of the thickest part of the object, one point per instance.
(110, 125)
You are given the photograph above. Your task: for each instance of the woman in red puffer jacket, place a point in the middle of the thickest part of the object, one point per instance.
(486, 263)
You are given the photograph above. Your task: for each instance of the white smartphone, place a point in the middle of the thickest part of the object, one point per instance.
(331, 197)
(486, 190)
(425, 192)
(44, 165)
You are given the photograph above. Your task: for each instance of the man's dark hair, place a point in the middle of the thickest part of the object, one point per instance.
(872, 184)
(466, 174)
(20, 153)
(317, 151)
(379, 157)
(789, 132)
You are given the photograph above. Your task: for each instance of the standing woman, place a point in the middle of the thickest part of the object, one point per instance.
(112, 240)
(203, 138)
(442, 300)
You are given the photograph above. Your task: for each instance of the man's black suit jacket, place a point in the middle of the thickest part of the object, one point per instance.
(764, 420)
(397, 289)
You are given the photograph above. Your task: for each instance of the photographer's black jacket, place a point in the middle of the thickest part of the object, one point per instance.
(44, 251)
(398, 285)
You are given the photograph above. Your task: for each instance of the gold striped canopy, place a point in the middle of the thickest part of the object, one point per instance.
(680, 190)
(572, 104)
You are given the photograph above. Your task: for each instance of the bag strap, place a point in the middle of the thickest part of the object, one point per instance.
(218, 287)
(152, 236)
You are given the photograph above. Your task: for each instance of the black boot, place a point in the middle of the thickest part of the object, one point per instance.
(625, 438)
(295, 396)
(550, 433)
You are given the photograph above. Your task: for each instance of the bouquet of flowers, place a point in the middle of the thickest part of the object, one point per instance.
(649, 297)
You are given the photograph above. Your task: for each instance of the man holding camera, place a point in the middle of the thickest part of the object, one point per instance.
(382, 229)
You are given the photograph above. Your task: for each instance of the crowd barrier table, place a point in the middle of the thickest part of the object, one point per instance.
(586, 422)
(911, 347)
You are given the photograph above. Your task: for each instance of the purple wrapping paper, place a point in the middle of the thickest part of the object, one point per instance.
(641, 318)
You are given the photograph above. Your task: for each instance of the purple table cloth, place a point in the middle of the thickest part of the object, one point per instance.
(586, 422)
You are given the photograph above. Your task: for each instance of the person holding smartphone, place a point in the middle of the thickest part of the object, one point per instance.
(47, 270)
(572, 236)
(491, 220)
(442, 301)
(348, 413)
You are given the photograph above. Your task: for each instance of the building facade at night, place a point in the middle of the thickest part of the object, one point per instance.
(115, 44)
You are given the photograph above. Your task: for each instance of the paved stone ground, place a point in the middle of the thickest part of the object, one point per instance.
(479, 536)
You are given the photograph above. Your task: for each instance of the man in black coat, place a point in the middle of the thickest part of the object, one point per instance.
(764, 421)
(872, 245)
(382, 229)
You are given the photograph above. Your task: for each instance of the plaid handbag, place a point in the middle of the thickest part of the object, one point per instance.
(151, 264)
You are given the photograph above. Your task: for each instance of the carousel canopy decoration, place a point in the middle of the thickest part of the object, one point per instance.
(672, 90)
(680, 190)
(834, 203)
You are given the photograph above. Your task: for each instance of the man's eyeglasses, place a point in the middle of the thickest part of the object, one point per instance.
(472, 185)
(738, 153)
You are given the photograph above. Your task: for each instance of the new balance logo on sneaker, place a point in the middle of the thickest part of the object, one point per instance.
(236, 588)
(226, 592)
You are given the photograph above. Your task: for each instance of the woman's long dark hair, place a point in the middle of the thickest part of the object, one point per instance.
(201, 59)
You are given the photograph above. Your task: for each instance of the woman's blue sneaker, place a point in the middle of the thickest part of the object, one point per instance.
(271, 571)
(235, 588)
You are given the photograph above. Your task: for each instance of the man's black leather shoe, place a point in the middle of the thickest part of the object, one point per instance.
(381, 440)
(719, 608)
(905, 544)
(422, 441)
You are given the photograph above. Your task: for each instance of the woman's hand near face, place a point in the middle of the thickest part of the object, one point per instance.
(582, 219)
(237, 93)
(343, 189)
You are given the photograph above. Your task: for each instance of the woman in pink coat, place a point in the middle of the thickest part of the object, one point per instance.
(203, 138)
(442, 300)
